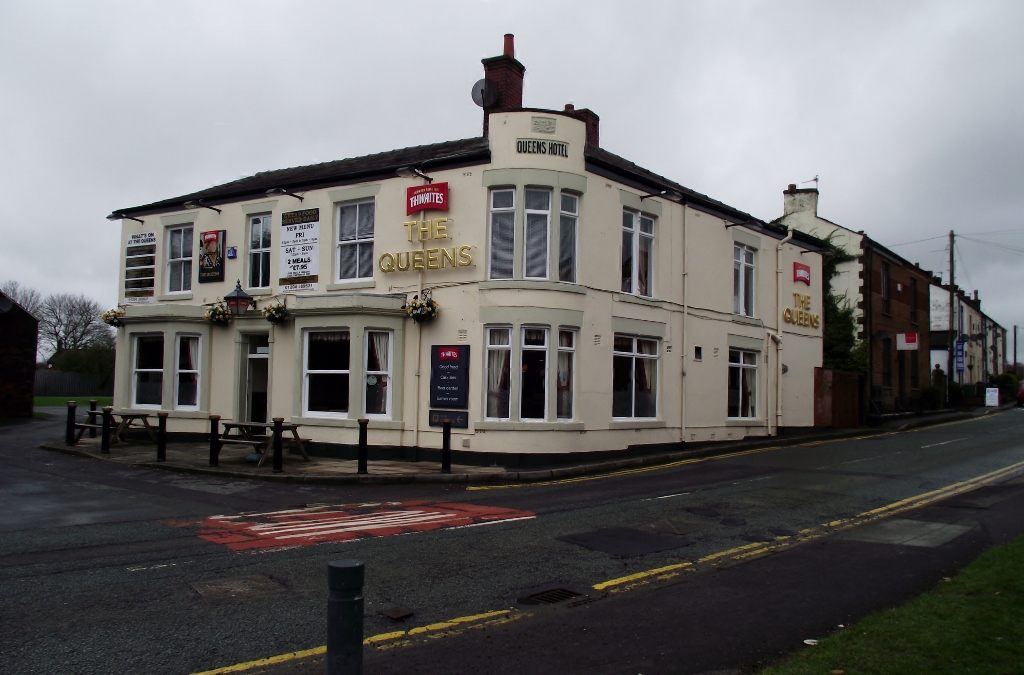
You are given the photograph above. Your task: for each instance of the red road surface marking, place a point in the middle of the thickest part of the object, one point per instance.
(342, 522)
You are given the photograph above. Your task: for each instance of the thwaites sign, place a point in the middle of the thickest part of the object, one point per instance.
(801, 272)
(425, 197)
(449, 376)
(906, 342)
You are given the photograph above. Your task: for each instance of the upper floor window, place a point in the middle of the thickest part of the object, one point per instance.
(503, 233)
(913, 300)
(742, 383)
(743, 280)
(148, 380)
(637, 253)
(259, 251)
(186, 368)
(179, 259)
(538, 218)
(634, 377)
(886, 300)
(355, 241)
(567, 238)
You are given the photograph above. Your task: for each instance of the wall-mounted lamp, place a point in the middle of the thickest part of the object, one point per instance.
(282, 191)
(413, 172)
(199, 205)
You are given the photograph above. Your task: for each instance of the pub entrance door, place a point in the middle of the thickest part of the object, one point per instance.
(257, 377)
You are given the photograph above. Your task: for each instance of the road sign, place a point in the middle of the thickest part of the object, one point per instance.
(959, 356)
(459, 418)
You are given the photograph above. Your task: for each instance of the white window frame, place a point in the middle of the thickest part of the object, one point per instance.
(136, 370)
(357, 242)
(636, 233)
(634, 355)
(741, 294)
(742, 367)
(306, 372)
(575, 218)
(186, 256)
(389, 411)
(545, 349)
(575, 365)
(265, 222)
(178, 370)
(488, 348)
(490, 231)
(527, 212)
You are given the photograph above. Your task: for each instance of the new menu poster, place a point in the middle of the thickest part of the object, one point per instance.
(300, 250)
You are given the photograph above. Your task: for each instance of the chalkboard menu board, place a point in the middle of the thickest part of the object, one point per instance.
(449, 376)
(139, 265)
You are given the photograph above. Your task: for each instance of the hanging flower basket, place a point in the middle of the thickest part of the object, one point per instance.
(422, 310)
(276, 314)
(113, 317)
(218, 314)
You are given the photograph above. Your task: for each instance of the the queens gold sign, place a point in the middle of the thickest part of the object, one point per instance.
(800, 315)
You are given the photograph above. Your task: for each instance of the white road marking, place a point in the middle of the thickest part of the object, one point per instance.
(678, 494)
(933, 445)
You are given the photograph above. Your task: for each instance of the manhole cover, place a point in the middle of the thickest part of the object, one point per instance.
(626, 542)
(703, 512)
(983, 497)
(396, 613)
(224, 589)
(907, 532)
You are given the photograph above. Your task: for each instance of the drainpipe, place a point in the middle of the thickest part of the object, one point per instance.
(778, 330)
(682, 386)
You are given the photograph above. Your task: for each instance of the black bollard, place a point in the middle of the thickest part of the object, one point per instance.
(278, 454)
(362, 446)
(107, 423)
(345, 617)
(69, 430)
(446, 446)
(92, 417)
(161, 437)
(214, 440)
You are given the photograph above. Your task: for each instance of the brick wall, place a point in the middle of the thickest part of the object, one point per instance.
(18, 333)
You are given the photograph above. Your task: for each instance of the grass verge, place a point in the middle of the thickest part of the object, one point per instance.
(973, 623)
(82, 401)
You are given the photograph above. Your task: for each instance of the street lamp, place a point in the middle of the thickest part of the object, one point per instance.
(238, 301)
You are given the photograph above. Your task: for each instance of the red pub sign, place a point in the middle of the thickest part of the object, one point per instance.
(423, 197)
(802, 272)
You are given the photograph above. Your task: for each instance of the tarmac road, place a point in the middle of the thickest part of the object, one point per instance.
(96, 580)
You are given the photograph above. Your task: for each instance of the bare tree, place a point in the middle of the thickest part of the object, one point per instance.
(28, 298)
(71, 322)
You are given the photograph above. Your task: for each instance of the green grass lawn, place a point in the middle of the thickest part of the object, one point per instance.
(83, 401)
(973, 623)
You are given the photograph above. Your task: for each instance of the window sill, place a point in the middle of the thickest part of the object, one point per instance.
(355, 283)
(257, 292)
(174, 296)
(636, 424)
(346, 423)
(748, 320)
(533, 285)
(743, 422)
(495, 425)
(637, 299)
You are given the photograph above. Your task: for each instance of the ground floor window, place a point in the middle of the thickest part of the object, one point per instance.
(742, 383)
(533, 388)
(566, 374)
(499, 376)
(378, 374)
(326, 373)
(634, 377)
(187, 373)
(148, 378)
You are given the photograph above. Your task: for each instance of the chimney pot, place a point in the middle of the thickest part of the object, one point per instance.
(510, 48)
(792, 186)
(569, 107)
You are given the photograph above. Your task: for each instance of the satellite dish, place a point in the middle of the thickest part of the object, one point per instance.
(485, 93)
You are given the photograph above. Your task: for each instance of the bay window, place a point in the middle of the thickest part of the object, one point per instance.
(179, 259)
(325, 373)
(499, 358)
(503, 233)
(355, 241)
(637, 253)
(567, 238)
(634, 377)
(743, 280)
(148, 378)
(186, 373)
(742, 384)
(538, 217)
(259, 251)
(533, 390)
(377, 373)
(566, 374)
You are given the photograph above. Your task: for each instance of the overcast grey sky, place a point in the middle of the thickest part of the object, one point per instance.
(910, 112)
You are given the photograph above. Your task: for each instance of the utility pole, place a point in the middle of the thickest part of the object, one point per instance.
(1015, 349)
(952, 315)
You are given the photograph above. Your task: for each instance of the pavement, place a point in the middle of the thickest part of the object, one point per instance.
(109, 567)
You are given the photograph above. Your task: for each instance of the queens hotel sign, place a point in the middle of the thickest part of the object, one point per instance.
(423, 198)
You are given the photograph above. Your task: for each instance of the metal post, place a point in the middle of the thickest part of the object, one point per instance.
(161, 437)
(446, 446)
(361, 467)
(214, 440)
(345, 617)
(278, 456)
(69, 430)
(92, 418)
(107, 423)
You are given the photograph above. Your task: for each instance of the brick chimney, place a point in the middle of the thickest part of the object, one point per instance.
(799, 201)
(507, 75)
(590, 118)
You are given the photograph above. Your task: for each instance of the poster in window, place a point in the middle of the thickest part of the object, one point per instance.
(300, 250)
(211, 256)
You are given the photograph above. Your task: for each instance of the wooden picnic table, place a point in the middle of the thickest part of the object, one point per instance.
(127, 422)
(246, 434)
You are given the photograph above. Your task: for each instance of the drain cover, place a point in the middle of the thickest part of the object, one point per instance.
(551, 596)
(396, 613)
(224, 589)
(626, 542)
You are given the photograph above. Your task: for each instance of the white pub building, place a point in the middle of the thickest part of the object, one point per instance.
(583, 303)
